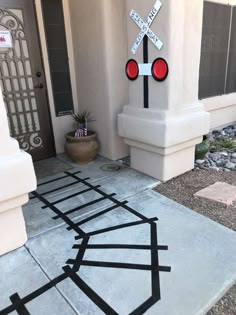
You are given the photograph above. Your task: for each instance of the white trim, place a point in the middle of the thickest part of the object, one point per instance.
(62, 124)
(70, 50)
(45, 60)
(228, 49)
(219, 102)
(224, 2)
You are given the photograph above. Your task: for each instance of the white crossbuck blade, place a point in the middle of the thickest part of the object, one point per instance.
(144, 26)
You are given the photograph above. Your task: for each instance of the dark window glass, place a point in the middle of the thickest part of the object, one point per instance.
(214, 52)
(58, 56)
(231, 76)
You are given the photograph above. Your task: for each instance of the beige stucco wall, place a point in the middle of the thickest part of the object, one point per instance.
(100, 50)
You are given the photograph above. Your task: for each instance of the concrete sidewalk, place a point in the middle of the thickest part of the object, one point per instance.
(93, 252)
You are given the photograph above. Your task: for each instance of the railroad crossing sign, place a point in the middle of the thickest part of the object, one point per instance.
(145, 27)
(159, 68)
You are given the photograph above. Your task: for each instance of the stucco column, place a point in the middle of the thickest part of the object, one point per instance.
(17, 178)
(162, 138)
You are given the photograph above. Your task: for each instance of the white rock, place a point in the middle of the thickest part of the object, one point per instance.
(214, 168)
(200, 162)
(230, 166)
(224, 153)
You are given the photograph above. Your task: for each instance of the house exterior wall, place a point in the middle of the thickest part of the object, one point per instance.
(99, 42)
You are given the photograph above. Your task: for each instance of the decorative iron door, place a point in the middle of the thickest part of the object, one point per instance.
(22, 80)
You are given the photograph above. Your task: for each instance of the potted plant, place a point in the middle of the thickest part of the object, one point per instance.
(81, 144)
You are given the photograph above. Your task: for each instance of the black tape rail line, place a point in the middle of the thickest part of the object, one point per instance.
(92, 217)
(116, 246)
(83, 206)
(72, 268)
(116, 227)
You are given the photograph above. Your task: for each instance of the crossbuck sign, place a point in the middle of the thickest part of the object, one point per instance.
(145, 27)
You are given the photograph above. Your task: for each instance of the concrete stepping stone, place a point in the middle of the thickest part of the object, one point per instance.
(220, 192)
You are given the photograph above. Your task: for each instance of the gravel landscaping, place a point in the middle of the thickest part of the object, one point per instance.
(222, 155)
(181, 189)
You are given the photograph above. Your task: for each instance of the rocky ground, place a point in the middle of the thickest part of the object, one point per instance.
(220, 157)
(226, 132)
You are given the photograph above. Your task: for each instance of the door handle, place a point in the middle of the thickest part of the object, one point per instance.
(39, 86)
(38, 74)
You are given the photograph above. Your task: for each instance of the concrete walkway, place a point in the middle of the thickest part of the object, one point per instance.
(102, 242)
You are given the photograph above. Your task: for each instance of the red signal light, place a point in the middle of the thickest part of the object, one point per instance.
(159, 69)
(132, 69)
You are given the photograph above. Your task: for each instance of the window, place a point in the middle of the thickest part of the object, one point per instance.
(218, 62)
(58, 56)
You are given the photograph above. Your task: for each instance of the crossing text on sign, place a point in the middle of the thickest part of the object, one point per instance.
(145, 27)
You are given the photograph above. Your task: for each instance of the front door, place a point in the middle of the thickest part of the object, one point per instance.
(22, 79)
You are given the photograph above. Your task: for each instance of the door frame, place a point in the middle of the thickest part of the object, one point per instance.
(61, 125)
(53, 148)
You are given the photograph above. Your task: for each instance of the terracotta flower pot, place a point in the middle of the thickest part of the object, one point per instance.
(81, 150)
